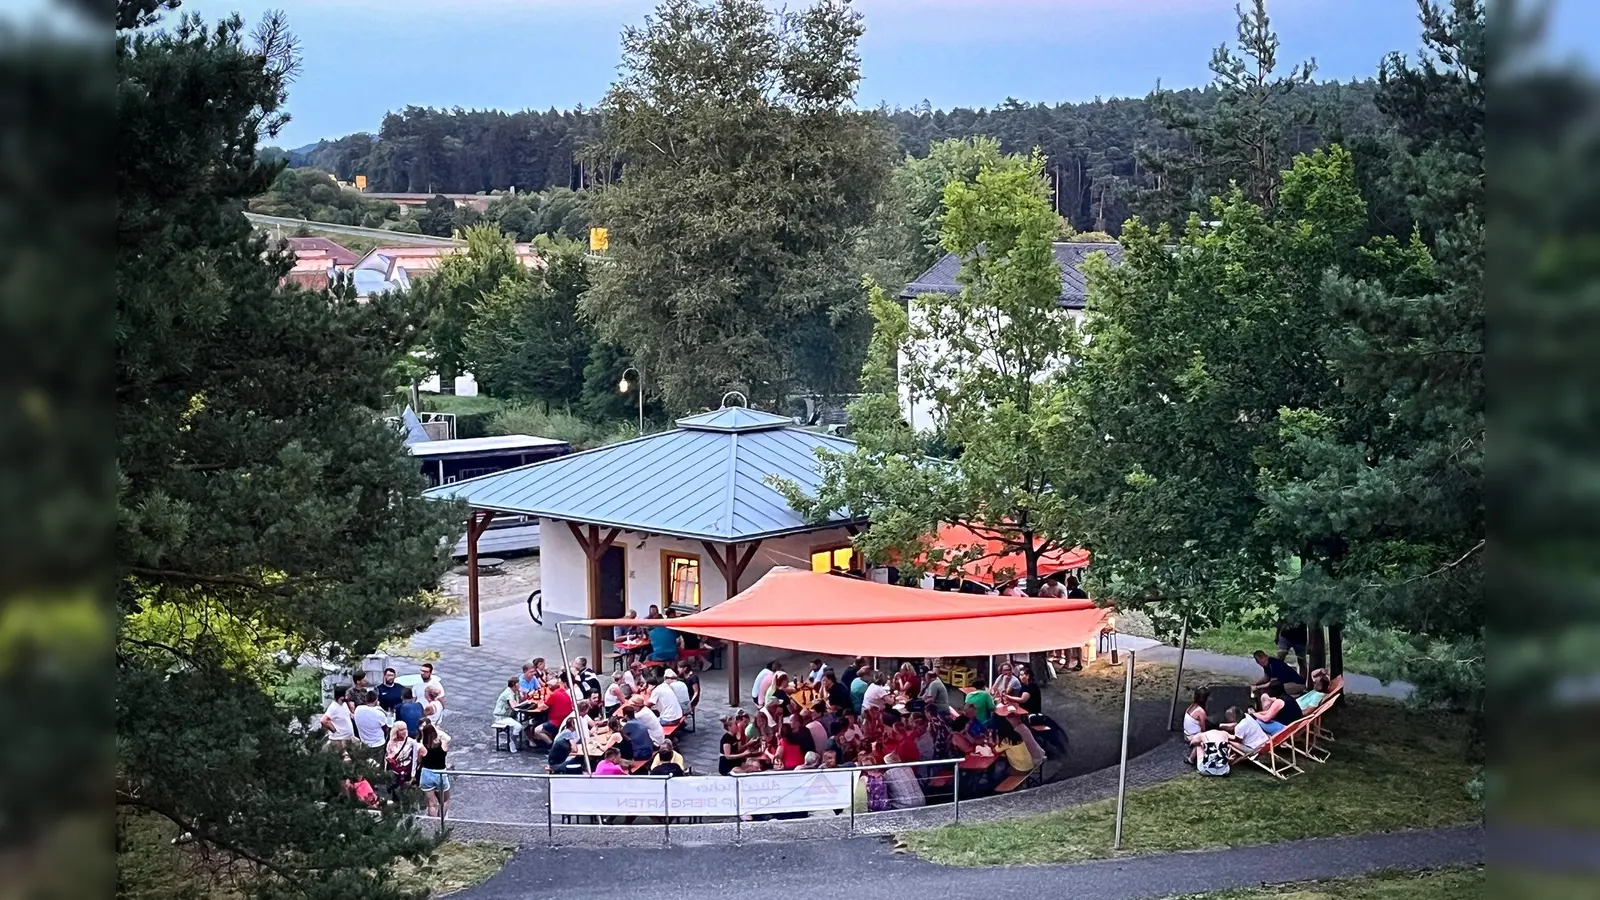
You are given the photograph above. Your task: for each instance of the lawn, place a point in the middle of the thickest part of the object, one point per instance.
(150, 867)
(1236, 640)
(1435, 884)
(1393, 768)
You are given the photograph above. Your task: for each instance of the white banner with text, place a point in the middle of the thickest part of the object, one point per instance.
(702, 795)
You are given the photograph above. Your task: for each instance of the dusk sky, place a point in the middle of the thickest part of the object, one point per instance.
(362, 58)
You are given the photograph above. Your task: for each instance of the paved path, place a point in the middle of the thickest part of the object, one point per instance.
(1244, 667)
(766, 871)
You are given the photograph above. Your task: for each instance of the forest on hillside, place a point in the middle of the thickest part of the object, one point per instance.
(1102, 155)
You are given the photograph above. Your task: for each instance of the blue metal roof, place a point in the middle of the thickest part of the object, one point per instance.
(707, 479)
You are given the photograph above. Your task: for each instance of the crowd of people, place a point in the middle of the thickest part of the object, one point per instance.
(389, 725)
(1278, 699)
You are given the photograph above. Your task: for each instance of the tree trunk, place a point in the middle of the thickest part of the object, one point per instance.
(447, 381)
(1335, 650)
(1316, 649)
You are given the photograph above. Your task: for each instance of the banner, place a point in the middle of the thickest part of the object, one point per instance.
(702, 795)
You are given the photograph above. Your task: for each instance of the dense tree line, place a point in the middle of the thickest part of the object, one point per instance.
(1103, 157)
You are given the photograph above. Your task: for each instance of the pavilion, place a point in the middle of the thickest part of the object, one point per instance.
(627, 526)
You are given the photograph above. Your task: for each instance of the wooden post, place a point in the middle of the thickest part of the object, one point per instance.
(731, 565)
(1335, 650)
(594, 546)
(477, 522)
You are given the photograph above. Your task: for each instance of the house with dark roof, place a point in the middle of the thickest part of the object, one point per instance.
(941, 279)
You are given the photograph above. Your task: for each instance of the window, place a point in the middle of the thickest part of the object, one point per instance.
(828, 559)
(680, 580)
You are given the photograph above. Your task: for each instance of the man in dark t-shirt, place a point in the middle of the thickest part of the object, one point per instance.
(1273, 667)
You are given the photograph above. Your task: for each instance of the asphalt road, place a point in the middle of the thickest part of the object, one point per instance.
(870, 867)
(388, 237)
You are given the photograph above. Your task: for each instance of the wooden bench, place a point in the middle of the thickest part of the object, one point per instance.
(670, 730)
(635, 766)
(1013, 782)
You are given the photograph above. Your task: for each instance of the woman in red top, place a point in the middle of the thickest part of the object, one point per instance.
(790, 754)
(906, 681)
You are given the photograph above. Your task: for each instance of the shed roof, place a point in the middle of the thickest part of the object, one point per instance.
(941, 278)
(707, 479)
(507, 443)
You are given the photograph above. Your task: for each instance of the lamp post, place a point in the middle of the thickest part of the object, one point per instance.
(622, 387)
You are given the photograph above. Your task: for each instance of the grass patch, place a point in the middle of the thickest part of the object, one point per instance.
(1394, 768)
(561, 425)
(1435, 884)
(457, 865)
(1231, 639)
(151, 867)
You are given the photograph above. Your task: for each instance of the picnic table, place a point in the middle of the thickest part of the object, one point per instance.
(978, 762)
(627, 647)
(490, 564)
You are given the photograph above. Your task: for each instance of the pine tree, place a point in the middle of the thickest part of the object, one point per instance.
(257, 488)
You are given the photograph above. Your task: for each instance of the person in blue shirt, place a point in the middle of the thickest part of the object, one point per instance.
(529, 682)
(409, 711)
(1273, 667)
(389, 693)
(664, 643)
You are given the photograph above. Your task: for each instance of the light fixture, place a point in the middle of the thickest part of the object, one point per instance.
(622, 386)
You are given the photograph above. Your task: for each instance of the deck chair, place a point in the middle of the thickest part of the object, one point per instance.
(1276, 756)
(1312, 735)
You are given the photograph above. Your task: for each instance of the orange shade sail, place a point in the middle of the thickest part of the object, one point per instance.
(815, 612)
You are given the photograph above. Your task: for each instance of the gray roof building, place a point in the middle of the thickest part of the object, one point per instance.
(941, 278)
(707, 479)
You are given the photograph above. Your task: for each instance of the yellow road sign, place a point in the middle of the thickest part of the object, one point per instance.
(599, 240)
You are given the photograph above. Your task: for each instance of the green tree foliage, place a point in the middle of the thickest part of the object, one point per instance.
(525, 339)
(1246, 137)
(312, 194)
(453, 292)
(253, 476)
(985, 355)
(1194, 346)
(735, 228)
(559, 211)
(1385, 477)
(920, 184)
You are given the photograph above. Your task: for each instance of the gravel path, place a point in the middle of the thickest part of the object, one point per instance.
(765, 871)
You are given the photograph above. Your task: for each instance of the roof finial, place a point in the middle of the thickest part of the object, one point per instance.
(743, 401)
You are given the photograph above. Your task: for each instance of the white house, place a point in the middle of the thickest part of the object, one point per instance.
(921, 412)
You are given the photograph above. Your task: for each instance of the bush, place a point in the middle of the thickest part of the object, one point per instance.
(473, 414)
(561, 425)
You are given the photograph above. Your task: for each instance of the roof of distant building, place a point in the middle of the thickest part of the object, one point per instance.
(306, 248)
(941, 278)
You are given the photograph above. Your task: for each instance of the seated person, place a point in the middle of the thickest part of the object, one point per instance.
(1019, 759)
(505, 710)
(636, 743)
(980, 699)
(612, 764)
(665, 701)
(1248, 736)
(901, 785)
(735, 747)
(561, 759)
(664, 643)
(1273, 667)
(667, 761)
(529, 684)
(1277, 709)
(1319, 690)
(558, 706)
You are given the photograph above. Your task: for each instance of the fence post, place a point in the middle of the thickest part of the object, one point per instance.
(549, 815)
(852, 825)
(955, 789)
(666, 813)
(738, 811)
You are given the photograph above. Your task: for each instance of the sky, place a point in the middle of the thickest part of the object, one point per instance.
(362, 58)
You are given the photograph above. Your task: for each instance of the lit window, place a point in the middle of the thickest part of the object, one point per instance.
(682, 580)
(833, 558)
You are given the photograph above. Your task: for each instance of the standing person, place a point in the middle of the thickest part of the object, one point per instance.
(851, 672)
(1291, 636)
(691, 681)
(389, 692)
(432, 777)
(338, 721)
(1073, 591)
(935, 695)
(425, 672)
(758, 691)
(402, 757)
(371, 724)
(433, 703)
(410, 712)
(1052, 588)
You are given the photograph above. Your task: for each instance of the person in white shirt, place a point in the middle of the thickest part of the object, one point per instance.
(338, 722)
(428, 679)
(815, 674)
(758, 691)
(1246, 729)
(370, 722)
(651, 722)
(679, 689)
(877, 695)
(666, 703)
(433, 703)
(616, 692)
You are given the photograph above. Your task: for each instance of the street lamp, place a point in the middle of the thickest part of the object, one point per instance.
(622, 388)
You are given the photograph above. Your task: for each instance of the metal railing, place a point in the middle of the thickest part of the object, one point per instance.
(670, 823)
